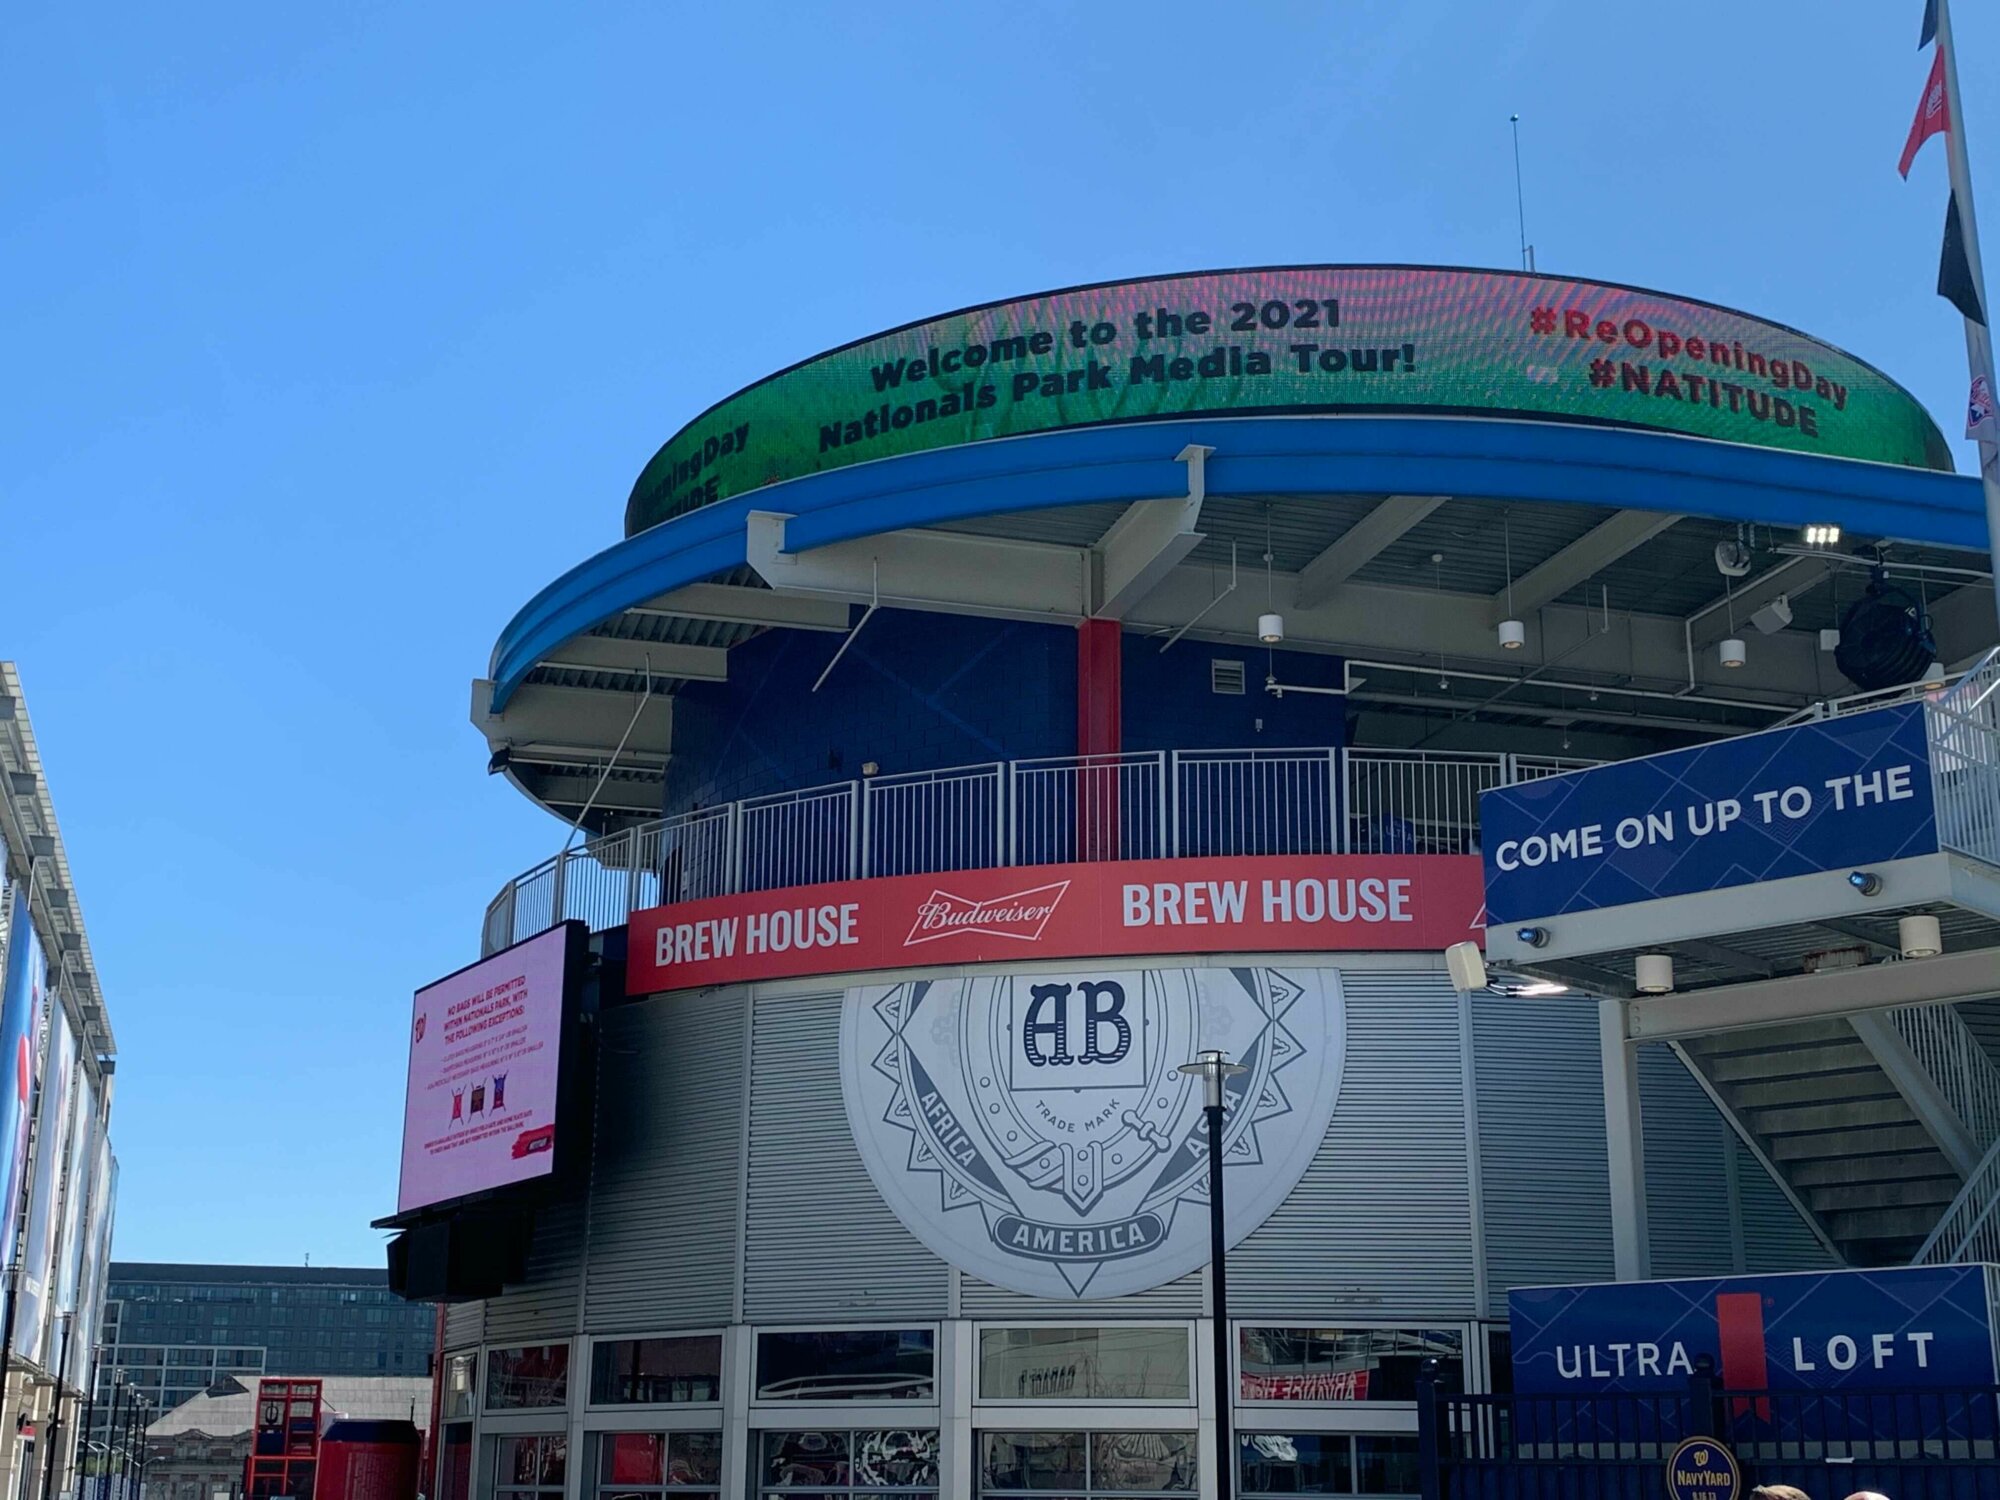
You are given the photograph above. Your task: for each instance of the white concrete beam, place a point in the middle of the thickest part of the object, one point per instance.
(1149, 541)
(599, 653)
(580, 724)
(736, 604)
(928, 570)
(1625, 1144)
(1359, 545)
(1582, 560)
(1971, 975)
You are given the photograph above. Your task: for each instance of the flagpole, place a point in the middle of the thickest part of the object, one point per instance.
(1978, 337)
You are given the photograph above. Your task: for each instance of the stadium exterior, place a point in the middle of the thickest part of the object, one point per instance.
(55, 1144)
(1117, 673)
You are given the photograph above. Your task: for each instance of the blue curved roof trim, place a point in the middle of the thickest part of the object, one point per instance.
(1476, 458)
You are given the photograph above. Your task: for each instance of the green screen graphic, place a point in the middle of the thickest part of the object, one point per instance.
(1309, 339)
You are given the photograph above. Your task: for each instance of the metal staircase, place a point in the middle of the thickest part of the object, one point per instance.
(1882, 1128)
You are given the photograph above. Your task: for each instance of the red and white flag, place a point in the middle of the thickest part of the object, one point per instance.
(1933, 114)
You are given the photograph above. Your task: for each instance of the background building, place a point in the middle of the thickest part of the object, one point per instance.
(58, 1176)
(171, 1331)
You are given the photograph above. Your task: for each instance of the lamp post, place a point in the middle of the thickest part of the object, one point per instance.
(1214, 1069)
(55, 1411)
(139, 1493)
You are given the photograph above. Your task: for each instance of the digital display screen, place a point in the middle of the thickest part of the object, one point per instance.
(485, 1069)
(1293, 341)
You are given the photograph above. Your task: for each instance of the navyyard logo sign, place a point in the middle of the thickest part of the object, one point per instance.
(1021, 916)
(1035, 1131)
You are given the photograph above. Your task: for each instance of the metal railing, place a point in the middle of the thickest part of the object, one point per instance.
(1966, 1079)
(1969, 1229)
(1058, 810)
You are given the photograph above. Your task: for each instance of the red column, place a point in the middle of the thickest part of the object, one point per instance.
(1098, 725)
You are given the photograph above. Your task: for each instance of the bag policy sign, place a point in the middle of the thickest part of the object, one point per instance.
(1275, 904)
(1787, 802)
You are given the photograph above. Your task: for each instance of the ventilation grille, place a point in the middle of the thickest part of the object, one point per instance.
(1226, 677)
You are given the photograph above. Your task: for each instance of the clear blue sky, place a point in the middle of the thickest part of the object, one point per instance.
(334, 332)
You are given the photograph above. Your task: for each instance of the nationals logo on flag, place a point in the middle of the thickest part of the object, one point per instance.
(1022, 915)
(1979, 411)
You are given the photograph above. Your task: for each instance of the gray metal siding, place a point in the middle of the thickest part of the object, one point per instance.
(464, 1325)
(543, 1308)
(1775, 1238)
(821, 1243)
(1539, 1088)
(1688, 1206)
(1380, 1224)
(664, 1219)
(1177, 1299)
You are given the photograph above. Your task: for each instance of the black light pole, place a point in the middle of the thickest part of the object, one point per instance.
(87, 1420)
(111, 1433)
(145, 1421)
(1213, 1068)
(55, 1412)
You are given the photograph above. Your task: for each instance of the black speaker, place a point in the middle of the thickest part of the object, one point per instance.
(460, 1258)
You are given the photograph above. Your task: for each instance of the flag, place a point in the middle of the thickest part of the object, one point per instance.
(1930, 25)
(1980, 420)
(1933, 115)
(1955, 283)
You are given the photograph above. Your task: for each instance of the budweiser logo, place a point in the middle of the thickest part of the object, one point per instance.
(1021, 915)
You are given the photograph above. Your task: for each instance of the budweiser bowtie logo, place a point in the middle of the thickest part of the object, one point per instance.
(1021, 915)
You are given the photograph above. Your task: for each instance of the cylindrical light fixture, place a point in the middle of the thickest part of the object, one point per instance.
(1270, 629)
(1730, 652)
(1513, 635)
(1934, 675)
(1653, 973)
(1919, 937)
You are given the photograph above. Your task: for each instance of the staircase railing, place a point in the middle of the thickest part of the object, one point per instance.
(1969, 1230)
(1958, 1065)
(1969, 1081)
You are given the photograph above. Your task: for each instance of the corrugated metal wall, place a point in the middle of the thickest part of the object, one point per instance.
(464, 1325)
(1689, 1209)
(665, 1218)
(543, 1309)
(1380, 1224)
(1543, 1174)
(820, 1241)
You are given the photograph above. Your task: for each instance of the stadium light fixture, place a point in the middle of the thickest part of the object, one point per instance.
(1822, 535)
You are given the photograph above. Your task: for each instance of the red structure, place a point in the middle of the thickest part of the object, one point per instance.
(284, 1444)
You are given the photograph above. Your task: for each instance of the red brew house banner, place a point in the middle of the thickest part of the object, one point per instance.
(1280, 904)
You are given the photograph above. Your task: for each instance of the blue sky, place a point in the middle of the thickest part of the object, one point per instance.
(334, 332)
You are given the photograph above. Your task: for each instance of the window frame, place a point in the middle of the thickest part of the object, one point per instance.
(1142, 1420)
(760, 1405)
(592, 1480)
(982, 1403)
(754, 1458)
(593, 1407)
(483, 1383)
(1388, 1416)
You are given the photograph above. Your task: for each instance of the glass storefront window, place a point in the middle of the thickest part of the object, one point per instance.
(659, 1466)
(874, 1364)
(1346, 1364)
(530, 1468)
(866, 1461)
(1325, 1463)
(1083, 1364)
(1086, 1465)
(658, 1372)
(526, 1378)
(457, 1397)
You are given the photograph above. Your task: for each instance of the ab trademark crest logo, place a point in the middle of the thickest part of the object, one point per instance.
(1035, 1131)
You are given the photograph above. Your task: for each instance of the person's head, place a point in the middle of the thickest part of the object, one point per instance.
(1867, 1495)
(1778, 1492)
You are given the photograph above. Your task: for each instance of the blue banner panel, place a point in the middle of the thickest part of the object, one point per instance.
(1834, 795)
(1907, 1329)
